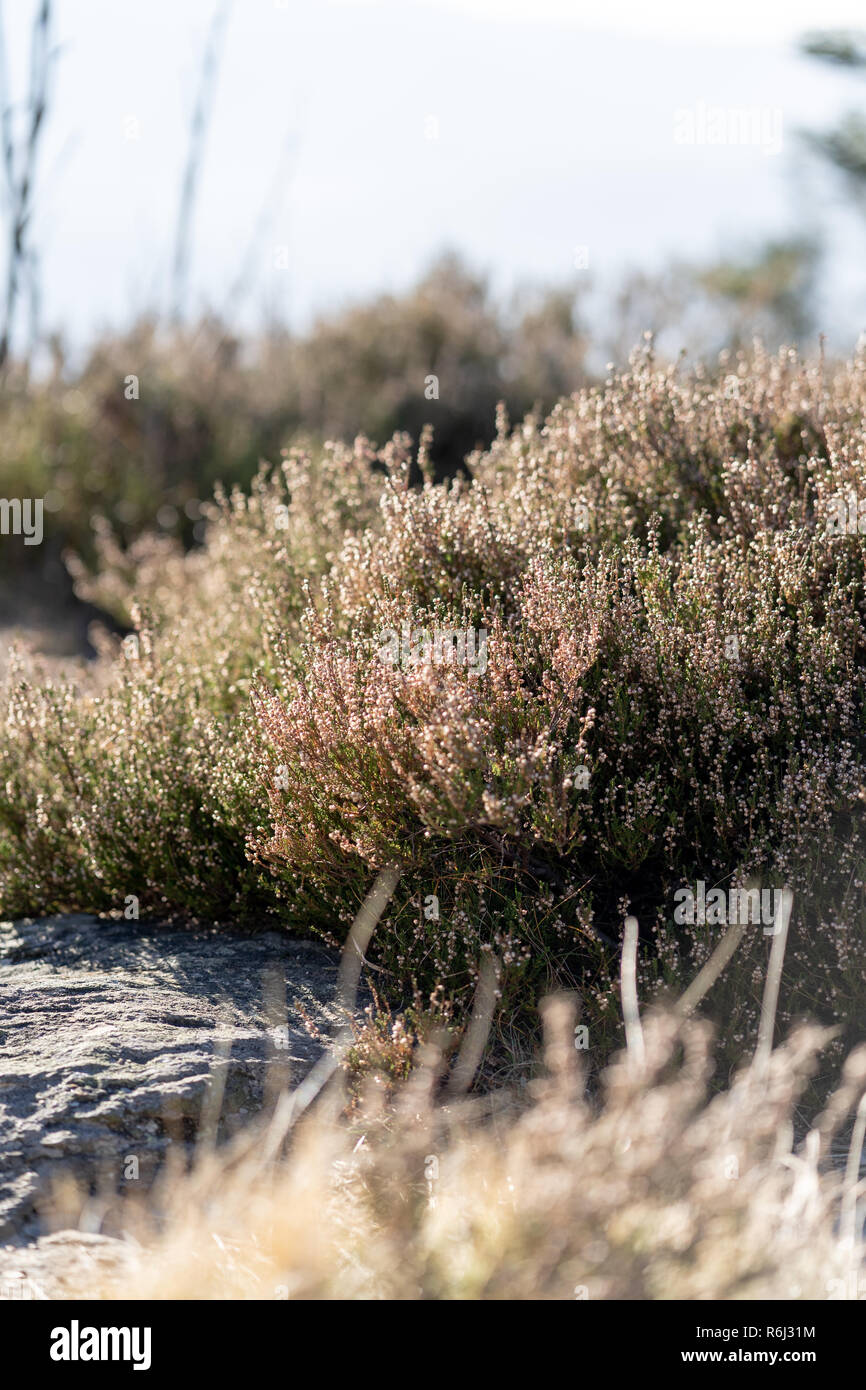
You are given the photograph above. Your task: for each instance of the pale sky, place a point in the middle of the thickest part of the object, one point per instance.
(554, 128)
(754, 21)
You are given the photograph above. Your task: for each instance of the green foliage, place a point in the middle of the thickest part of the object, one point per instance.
(845, 146)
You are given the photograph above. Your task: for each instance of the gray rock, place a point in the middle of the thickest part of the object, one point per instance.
(120, 1039)
(67, 1265)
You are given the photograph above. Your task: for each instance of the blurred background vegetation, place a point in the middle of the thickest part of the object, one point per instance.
(208, 404)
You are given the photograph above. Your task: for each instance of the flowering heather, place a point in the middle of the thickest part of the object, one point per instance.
(672, 693)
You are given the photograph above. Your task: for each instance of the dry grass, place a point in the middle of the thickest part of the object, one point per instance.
(652, 1189)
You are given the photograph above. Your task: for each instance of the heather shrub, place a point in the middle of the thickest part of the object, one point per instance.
(140, 779)
(652, 677)
(610, 604)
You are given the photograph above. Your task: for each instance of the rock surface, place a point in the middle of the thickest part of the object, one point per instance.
(68, 1265)
(117, 1038)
